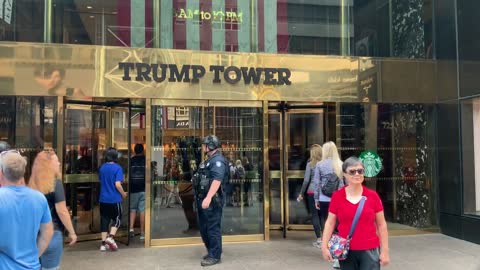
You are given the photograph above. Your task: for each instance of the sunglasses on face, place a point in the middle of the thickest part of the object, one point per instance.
(353, 172)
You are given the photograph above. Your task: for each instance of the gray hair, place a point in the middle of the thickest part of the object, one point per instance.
(13, 166)
(350, 162)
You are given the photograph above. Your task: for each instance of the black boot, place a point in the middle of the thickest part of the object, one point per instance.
(209, 261)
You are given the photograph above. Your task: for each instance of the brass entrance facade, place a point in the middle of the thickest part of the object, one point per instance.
(55, 95)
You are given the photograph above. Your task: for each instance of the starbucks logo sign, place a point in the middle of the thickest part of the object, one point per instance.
(372, 163)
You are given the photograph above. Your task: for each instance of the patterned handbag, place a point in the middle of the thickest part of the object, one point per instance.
(338, 245)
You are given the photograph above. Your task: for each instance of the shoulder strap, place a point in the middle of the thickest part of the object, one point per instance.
(357, 216)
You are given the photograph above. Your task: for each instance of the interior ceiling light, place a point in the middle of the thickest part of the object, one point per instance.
(89, 7)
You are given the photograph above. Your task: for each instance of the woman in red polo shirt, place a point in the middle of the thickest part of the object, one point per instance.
(368, 250)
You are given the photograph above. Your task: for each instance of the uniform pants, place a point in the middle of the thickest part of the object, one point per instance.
(210, 224)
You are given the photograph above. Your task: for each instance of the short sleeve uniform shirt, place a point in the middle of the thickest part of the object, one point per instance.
(217, 168)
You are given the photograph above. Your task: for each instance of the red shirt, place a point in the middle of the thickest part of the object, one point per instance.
(365, 235)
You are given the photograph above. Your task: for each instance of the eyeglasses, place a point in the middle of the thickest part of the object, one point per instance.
(353, 172)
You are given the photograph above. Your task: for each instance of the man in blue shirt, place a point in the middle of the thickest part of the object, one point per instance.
(111, 197)
(26, 227)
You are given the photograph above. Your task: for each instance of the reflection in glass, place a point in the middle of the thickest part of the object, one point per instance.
(176, 154)
(114, 23)
(240, 131)
(22, 21)
(85, 141)
(304, 129)
(28, 124)
(274, 148)
(403, 139)
(471, 156)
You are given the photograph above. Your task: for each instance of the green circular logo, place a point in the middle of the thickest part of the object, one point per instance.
(372, 163)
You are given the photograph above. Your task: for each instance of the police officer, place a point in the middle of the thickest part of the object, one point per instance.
(209, 198)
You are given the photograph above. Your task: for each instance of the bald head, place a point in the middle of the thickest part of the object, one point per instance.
(13, 166)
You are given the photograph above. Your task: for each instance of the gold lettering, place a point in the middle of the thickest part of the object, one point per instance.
(218, 15)
(190, 14)
(240, 17)
(182, 14)
(214, 15)
(206, 16)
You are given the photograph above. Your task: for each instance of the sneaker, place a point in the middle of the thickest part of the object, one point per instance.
(317, 244)
(111, 244)
(142, 237)
(131, 233)
(336, 264)
(210, 261)
(104, 247)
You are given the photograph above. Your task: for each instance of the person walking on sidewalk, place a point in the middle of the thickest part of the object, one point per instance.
(137, 190)
(111, 197)
(46, 179)
(26, 224)
(208, 183)
(368, 250)
(308, 189)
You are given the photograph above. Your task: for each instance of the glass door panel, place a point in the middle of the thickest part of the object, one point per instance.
(304, 129)
(176, 154)
(120, 131)
(240, 130)
(85, 140)
(274, 156)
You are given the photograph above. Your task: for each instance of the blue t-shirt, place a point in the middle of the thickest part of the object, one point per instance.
(109, 174)
(22, 210)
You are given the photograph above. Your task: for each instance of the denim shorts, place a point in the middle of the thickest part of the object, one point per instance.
(52, 256)
(137, 202)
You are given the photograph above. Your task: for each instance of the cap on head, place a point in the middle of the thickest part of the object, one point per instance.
(212, 142)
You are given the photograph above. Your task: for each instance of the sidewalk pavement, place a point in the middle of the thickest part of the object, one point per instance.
(422, 252)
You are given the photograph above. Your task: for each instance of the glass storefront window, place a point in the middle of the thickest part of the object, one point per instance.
(28, 124)
(402, 135)
(240, 131)
(126, 23)
(471, 157)
(22, 21)
(176, 154)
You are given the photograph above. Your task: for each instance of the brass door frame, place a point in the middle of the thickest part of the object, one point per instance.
(63, 106)
(285, 174)
(149, 241)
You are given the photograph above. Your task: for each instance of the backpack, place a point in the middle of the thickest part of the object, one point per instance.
(239, 173)
(331, 185)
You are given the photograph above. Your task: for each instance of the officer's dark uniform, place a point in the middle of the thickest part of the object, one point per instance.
(210, 219)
